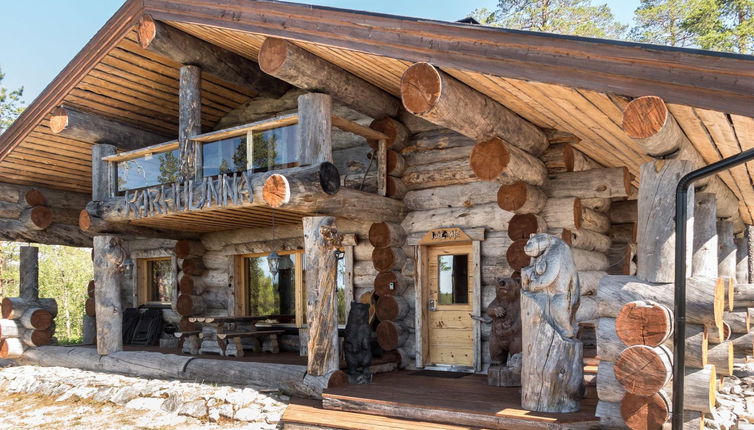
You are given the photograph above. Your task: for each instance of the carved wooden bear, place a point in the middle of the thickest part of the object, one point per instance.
(357, 344)
(505, 311)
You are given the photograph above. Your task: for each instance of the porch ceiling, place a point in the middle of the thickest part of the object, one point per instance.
(222, 219)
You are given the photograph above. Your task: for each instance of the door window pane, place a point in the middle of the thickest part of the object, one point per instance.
(341, 289)
(453, 279)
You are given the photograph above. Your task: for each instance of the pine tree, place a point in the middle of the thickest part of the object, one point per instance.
(722, 25)
(574, 17)
(662, 22)
(11, 104)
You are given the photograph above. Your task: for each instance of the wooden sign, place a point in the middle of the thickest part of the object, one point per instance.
(226, 190)
(443, 235)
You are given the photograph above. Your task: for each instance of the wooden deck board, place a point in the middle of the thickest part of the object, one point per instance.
(465, 401)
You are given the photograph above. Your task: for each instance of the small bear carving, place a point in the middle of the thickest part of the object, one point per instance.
(505, 311)
(357, 344)
(552, 280)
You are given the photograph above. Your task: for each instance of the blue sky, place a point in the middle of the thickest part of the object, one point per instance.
(33, 52)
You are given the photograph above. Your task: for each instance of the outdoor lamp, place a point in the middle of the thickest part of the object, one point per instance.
(127, 268)
(274, 261)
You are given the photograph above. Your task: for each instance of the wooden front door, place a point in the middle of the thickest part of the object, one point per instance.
(450, 290)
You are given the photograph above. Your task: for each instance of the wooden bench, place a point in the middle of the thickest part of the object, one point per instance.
(192, 347)
(254, 335)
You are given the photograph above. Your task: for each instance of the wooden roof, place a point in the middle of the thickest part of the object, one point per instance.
(572, 84)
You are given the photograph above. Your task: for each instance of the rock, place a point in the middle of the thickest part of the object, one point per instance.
(124, 395)
(226, 410)
(146, 403)
(249, 414)
(194, 409)
(172, 403)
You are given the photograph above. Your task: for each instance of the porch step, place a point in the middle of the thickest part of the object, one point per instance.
(305, 417)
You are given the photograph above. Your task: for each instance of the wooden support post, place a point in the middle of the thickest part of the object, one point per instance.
(108, 256)
(89, 330)
(742, 260)
(314, 129)
(382, 167)
(726, 245)
(750, 250)
(704, 258)
(190, 121)
(656, 230)
(321, 239)
(103, 173)
(74, 124)
(29, 274)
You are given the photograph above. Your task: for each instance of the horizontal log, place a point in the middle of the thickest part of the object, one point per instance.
(621, 258)
(189, 249)
(463, 195)
(391, 335)
(589, 261)
(386, 259)
(386, 234)
(516, 256)
(190, 305)
(623, 233)
(583, 239)
(587, 184)
(395, 188)
(721, 356)
(56, 234)
(588, 309)
(589, 282)
(94, 129)
(489, 159)
(35, 338)
(11, 328)
(597, 204)
(643, 370)
(704, 297)
(391, 283)
(644, 323)
(290, 63)
(92, 221)
(645, 412)
(648, 121)
(15, 307)
(743, 345)
(36, 319)
(90, 307)
(563, 213)
(12, 347)
(392, 308)
(36, 217)
(397, 138)
(594, 221)
(184, 48)
(563, 157)
(193, 267)
(743, 295)
(435, 96)
(301, 185)
(739, 320)
(488, 216)
(521, 198)
(624, 212)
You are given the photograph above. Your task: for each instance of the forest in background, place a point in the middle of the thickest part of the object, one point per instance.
(64, 273)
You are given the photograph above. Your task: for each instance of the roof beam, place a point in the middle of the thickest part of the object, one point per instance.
(299, 67)
(186, 49)
(75, 124)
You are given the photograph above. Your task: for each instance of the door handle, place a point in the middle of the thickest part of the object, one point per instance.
(432, 305)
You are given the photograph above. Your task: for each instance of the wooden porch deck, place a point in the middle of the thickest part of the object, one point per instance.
(415, 401)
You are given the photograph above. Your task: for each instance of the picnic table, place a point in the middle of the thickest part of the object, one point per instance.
(235, 329)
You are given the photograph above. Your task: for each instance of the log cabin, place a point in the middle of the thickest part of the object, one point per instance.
(253, 172)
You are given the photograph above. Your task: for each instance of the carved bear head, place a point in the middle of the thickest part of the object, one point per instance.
(508, 289)
(538, 244)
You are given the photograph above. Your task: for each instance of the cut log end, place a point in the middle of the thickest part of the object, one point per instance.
(38, 217)
(146, 31)
(644, 323)
(643, 370)
(7, 308)
(512, 197)
(389, 335)
(645, 412)
(516, 256)
(644, 117)
(39, 319)
(35, 198)
(90, 289)
(384, 234)
(58, 120)
(395, 131)
(276, 191)
(89, 307)
(521, 226)
(489, 159)
(421, 86)
(273, 54)
(85, 220)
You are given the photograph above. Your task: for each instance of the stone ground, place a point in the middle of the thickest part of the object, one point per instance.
(61, 398)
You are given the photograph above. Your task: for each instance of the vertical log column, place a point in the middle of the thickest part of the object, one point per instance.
(656, 227)
(190, 121)
(742, 259)
(107, 258)
(29, 274)
(321, 239)
(704, 258)
(314, 129)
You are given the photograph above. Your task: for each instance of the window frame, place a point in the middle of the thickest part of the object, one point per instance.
(143, 281)
(242, 285)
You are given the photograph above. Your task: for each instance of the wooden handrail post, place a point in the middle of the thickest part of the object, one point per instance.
(190, 121)
(314, 129)
(104, 183)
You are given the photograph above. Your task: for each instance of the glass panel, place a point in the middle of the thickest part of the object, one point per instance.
(270, 294)
(224, 156)
(453, 279)
(274, 149)
(148, 171)
(160, 280)
(341, 289)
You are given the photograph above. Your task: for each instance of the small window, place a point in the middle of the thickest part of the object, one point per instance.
(453, 279)
(341, 289)
(156, 280)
